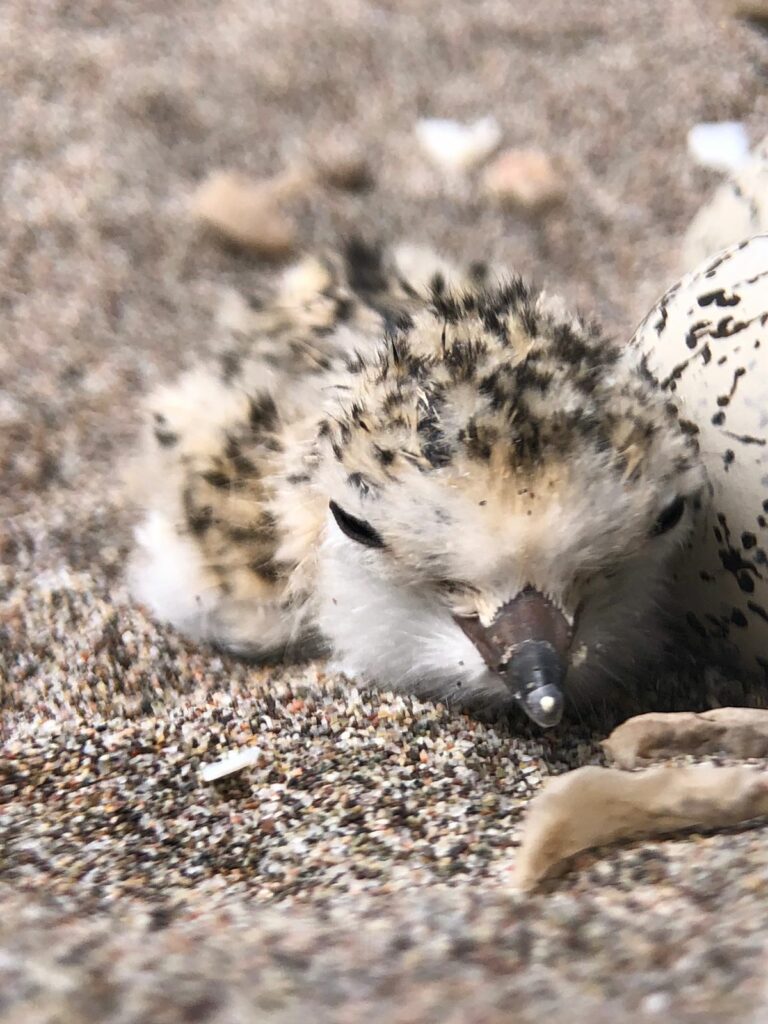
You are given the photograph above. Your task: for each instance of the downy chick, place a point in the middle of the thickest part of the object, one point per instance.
(442, 479)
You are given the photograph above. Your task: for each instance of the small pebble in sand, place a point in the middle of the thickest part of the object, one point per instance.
(248, 212)
(524, 178)
(457, 147)
(341, 162)
(721, 145)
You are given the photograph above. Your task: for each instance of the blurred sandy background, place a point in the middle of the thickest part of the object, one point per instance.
(112, 113)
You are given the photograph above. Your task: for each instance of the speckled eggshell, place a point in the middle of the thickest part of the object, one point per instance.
(707, 342)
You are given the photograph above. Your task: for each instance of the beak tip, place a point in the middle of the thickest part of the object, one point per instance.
(527, 645)
(534, 674)
(544, 705)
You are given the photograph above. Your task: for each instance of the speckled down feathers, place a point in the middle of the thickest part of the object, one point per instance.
(492, 440)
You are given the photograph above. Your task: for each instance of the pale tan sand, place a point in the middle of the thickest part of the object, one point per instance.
(361, 870)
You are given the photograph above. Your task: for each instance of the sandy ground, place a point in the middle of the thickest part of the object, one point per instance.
(361, 869)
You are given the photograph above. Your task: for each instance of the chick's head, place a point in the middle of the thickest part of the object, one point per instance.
(506, 492)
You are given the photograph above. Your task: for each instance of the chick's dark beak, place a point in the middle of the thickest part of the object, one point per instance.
(527, 645)
(534, 674)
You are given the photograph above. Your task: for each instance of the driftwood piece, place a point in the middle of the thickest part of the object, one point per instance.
(738, 732)
(593, 806)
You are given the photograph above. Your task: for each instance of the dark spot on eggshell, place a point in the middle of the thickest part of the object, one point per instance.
(733, 562)
(166, 438)
(695, 624)
(746, 583)
(745, 438)
(695, 332)
(723, 400)
(719, 298)
(758, 609)
(727, 327)
(718, 627)
(661, 323)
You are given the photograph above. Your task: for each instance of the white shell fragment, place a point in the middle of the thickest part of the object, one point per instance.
(458, 147)
(722, 145)
(230, 763)
(593, 806)
(706, 340)
(738, 209)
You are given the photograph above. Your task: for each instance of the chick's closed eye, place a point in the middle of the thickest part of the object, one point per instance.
(356, 529)
(669, 518)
